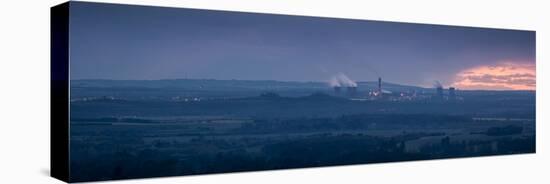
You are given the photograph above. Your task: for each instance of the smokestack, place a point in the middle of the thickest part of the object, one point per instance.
(380, 85)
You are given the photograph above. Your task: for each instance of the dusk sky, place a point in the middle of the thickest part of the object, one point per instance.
(130, 42)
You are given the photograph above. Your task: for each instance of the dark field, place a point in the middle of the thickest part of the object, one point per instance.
(134, 129)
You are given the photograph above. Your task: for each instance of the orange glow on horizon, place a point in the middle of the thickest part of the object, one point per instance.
(503, 76)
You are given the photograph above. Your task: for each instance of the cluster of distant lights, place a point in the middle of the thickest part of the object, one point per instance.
(191, 99)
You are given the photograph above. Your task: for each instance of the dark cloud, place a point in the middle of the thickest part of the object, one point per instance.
(139, 42)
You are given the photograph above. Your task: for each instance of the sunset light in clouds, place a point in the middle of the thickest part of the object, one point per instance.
(503, 76)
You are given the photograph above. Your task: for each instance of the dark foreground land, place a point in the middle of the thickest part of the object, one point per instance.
(155, 132)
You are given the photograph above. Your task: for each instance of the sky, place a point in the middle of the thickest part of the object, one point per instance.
(148, 43)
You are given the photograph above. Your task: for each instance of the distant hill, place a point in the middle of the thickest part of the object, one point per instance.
(199, 84)
(183, 89)
(213, 84)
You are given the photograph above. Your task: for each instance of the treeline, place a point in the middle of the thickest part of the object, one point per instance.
(310, 151)
(448, 148)
(318, 150)
(356, 122)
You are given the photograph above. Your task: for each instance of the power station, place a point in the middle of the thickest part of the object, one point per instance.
(377, 92)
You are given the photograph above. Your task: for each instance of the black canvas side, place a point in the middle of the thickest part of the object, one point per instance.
(59, 92)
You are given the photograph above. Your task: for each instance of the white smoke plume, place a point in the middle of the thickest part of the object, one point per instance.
(341, 80)
(437, 84)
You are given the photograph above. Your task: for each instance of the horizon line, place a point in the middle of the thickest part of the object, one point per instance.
(296, 82)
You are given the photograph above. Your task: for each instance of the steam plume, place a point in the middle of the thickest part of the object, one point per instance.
(341, 80)
(437, 84)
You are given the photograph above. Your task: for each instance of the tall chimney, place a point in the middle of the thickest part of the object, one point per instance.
(380, 85)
